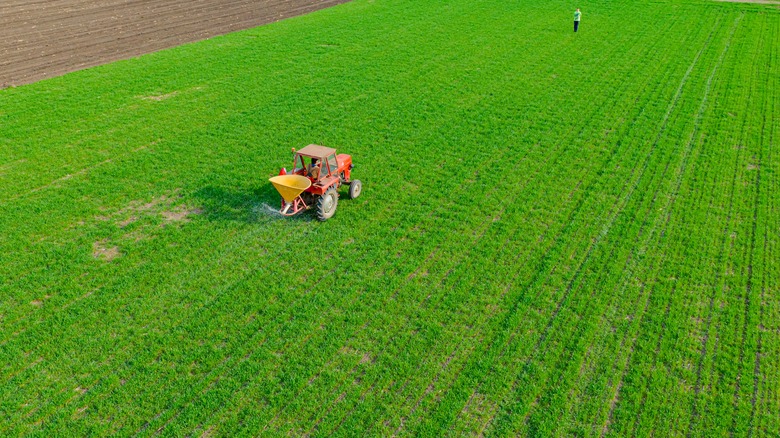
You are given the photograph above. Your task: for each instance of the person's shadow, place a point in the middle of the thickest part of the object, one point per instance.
(242, 204)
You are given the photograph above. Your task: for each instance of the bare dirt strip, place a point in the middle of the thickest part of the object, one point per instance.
(45, 38)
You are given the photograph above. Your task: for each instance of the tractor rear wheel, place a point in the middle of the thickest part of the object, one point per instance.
(326, 204)
(355, 187)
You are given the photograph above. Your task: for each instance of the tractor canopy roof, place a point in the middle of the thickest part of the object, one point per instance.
(317, 151)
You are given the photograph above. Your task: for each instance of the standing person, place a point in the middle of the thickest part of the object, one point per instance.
(577, 16)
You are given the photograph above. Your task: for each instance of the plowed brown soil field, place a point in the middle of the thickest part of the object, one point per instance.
(45, 38)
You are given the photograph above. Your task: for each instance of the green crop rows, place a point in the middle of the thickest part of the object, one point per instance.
(559, 233)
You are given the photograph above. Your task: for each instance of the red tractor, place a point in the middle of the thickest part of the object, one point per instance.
(316, 175)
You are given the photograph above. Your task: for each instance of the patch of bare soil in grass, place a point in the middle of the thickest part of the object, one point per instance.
(127, 221)
(169, 206)
(141, 220)
(160, 97)
(181, 213)
(100, 250)
(478, 413)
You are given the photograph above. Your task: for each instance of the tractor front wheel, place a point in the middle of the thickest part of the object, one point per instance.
(326, 204)
(355, 187)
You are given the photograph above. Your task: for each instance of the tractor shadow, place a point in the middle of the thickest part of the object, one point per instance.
(240, 204)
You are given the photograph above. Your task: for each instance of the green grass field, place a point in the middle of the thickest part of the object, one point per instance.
(559, 233)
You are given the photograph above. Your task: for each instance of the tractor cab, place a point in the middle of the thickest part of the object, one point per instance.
(322, 166)
(318, 163)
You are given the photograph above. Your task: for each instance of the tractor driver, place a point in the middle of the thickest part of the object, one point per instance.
(314, 168)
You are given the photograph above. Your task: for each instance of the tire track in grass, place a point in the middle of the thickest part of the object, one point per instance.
(642, 246)
(664, 121)
(10, 165)
(670, 203)
(726, 370)
(768, 133)
(766, 138)
(659, 225)
(647, 288)
(703, 353)
(679, 173)
(751, 248)
(697, 273)
(657, 345)
(694, 272)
